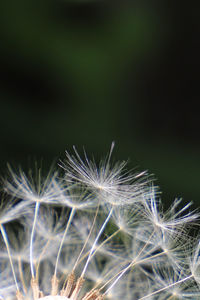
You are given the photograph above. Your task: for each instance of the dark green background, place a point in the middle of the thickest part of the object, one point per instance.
(86, 73)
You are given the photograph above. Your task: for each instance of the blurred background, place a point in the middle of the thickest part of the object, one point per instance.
(87, 73)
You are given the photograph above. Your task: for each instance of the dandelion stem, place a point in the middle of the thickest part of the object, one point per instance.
(40, 257)
(167, 287)
(96, 240)
(103, 243)
(122, 272)
(78, 259)
(3, 232)
(106, 240)
(21, 274)
(73, 210)
(134, 262)
(37, 206)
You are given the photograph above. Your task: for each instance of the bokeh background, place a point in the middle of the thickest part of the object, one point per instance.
(87, 73)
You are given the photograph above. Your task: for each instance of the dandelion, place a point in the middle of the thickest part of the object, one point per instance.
(96, 232)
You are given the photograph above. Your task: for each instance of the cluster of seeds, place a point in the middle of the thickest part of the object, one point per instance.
(96, 232)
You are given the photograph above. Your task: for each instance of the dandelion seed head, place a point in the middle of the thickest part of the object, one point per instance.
(97, 233)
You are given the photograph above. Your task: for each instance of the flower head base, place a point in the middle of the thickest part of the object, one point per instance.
(96, 233)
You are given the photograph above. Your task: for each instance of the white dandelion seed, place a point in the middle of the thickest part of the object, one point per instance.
(111, 183)
(35, 190)
(173, 220)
